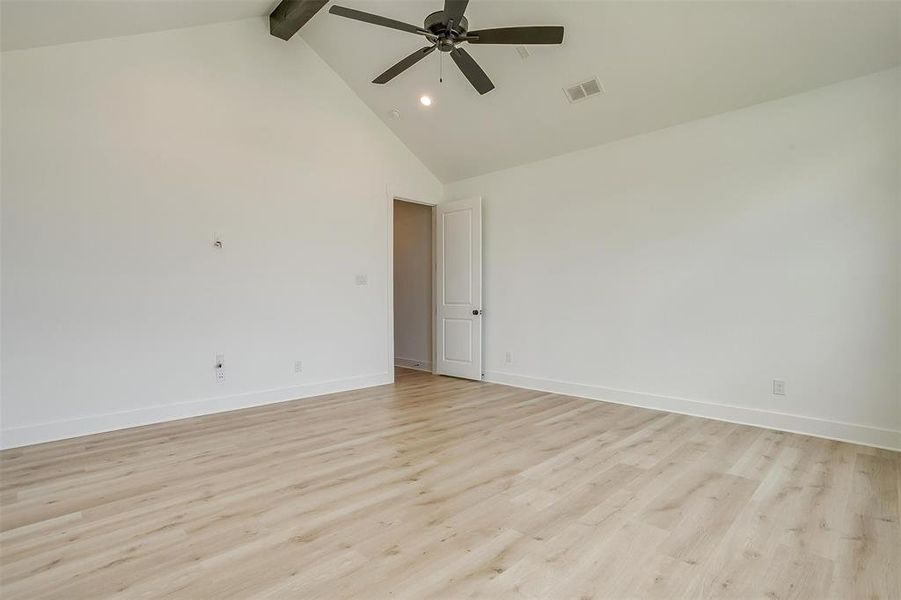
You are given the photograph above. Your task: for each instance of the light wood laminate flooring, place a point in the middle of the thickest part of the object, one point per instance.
(442, 488)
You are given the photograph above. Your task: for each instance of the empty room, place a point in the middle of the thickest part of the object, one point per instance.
(502, 299)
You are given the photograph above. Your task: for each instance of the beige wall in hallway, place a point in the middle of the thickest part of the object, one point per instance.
(412, 283)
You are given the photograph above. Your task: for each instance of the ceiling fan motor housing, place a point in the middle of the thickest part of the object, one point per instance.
(436, 23)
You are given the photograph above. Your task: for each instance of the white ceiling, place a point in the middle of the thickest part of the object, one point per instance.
(32, 23)
(661, 63)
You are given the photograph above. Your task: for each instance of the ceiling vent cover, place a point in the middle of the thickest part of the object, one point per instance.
(584, 90)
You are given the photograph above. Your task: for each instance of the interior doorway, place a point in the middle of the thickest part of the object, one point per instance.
(414, 288)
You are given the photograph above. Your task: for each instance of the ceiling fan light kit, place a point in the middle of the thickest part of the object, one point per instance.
(446, 30)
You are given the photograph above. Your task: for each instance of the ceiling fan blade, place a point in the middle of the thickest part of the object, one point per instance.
(366, 17)
(291, 15)
(454, 9)
(541, 34)
(404, 65)
(472, 70)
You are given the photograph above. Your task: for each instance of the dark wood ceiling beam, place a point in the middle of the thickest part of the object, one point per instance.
(290, 15)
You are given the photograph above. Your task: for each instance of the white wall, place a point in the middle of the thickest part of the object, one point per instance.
(687, 268)
(120, 158)
(412, 285)
(684, 269)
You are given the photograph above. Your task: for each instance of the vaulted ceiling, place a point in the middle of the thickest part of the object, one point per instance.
(661, 63)
(32, 23)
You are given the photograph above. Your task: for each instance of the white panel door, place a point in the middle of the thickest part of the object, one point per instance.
(459, 289)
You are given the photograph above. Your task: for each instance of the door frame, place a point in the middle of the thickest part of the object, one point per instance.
(390, 330)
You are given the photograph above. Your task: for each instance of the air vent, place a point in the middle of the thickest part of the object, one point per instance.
(581, 91)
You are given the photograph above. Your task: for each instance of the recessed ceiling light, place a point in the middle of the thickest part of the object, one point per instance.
(425, 101)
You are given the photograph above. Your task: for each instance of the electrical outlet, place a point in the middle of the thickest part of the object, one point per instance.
(778, 387)
(217, 239)
(508, 358)
(220, 368)
(298, 366)
(362, 279)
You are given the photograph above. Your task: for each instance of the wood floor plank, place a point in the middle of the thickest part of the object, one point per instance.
(445, 488)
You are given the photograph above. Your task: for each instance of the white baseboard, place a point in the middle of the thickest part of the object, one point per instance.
(412, 363)
(847, 432)
(59, 430)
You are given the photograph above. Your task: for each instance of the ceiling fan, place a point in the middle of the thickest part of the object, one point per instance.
(446, 30)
